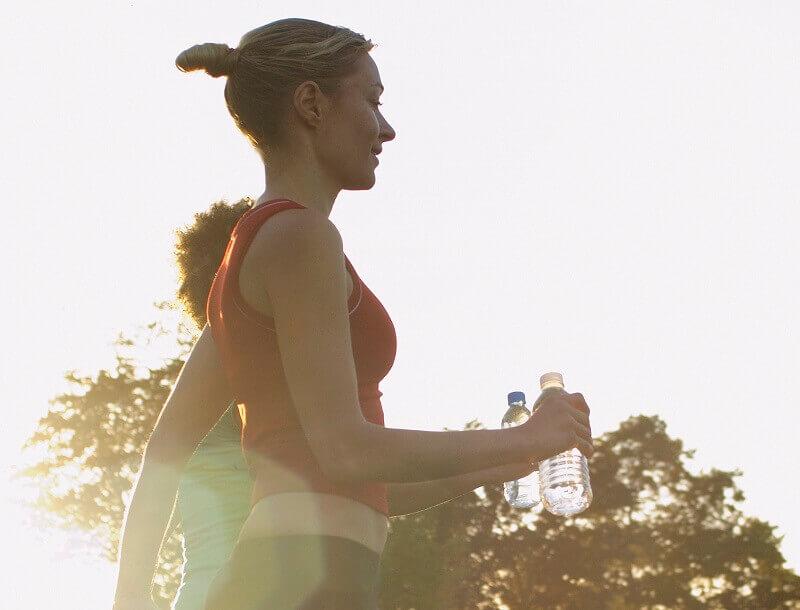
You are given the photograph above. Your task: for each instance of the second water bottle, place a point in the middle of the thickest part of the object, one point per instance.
(524, 492)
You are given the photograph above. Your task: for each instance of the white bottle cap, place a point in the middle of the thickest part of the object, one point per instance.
(551, 380)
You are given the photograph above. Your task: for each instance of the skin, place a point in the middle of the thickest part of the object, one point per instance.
(330, 146)
(330, 141)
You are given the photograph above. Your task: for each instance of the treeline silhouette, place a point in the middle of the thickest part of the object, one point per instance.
(656, 537)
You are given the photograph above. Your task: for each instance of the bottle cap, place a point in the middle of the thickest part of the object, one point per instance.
(516, 397)
(551, 380)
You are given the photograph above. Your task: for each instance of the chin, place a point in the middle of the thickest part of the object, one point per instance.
(363, 184)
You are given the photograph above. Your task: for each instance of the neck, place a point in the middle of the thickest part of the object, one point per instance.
(301, 181)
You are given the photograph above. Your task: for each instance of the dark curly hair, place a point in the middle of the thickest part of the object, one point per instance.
(199, 250)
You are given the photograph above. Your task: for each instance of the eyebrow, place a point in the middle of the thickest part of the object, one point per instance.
(378, 85)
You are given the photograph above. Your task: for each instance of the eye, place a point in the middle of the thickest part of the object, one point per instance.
(378, 103)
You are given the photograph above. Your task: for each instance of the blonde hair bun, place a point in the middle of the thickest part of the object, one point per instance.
(267, 66)
(217, 59)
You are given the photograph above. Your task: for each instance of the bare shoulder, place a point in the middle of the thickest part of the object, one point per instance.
(293, 249)
(293, 232)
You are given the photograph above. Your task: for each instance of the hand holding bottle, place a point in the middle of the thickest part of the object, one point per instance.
(559, 422)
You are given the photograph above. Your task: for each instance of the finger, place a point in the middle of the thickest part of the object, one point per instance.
(579, 402)
(584, 446)
(585, 432)
(580, 417)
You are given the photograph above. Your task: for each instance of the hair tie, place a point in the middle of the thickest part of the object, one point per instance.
(231, 60)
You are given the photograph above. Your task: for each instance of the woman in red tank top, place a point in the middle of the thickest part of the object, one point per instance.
(296, 337)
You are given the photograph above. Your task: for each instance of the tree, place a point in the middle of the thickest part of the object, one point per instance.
(94, 439)
(656, 537)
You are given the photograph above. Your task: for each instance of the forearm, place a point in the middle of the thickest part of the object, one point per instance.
(395, 455)
(145, 526)
(405, 498)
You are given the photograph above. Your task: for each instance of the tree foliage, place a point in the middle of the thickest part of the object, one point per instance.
(94, 437)
(657, 537)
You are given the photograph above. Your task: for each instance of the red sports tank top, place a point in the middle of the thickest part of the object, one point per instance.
(272, 438)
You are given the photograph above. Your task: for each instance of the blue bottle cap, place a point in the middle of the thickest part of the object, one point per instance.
(516, 397)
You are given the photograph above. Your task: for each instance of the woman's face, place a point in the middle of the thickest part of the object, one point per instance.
(355, 129)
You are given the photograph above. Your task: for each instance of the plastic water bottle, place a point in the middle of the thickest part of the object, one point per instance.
(524, 492)
(564, 478)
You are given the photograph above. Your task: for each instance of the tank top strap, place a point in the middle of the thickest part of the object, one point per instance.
(243, 234)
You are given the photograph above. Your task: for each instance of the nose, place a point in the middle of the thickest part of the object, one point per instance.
(387, 133)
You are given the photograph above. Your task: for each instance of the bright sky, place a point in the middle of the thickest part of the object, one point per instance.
(605, 189)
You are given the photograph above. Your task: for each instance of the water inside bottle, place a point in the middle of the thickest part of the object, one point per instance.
(565, 489)
(524, 492)
(565, 485)
(527, 491)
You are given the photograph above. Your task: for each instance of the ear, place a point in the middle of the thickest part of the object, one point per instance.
(310, 103)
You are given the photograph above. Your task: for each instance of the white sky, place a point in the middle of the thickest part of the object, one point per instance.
(608, 189)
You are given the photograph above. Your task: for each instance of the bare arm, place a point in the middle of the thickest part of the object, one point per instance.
(300, 252)
(560, 422)
(407, 498)
(408, 456)
(200, 396)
